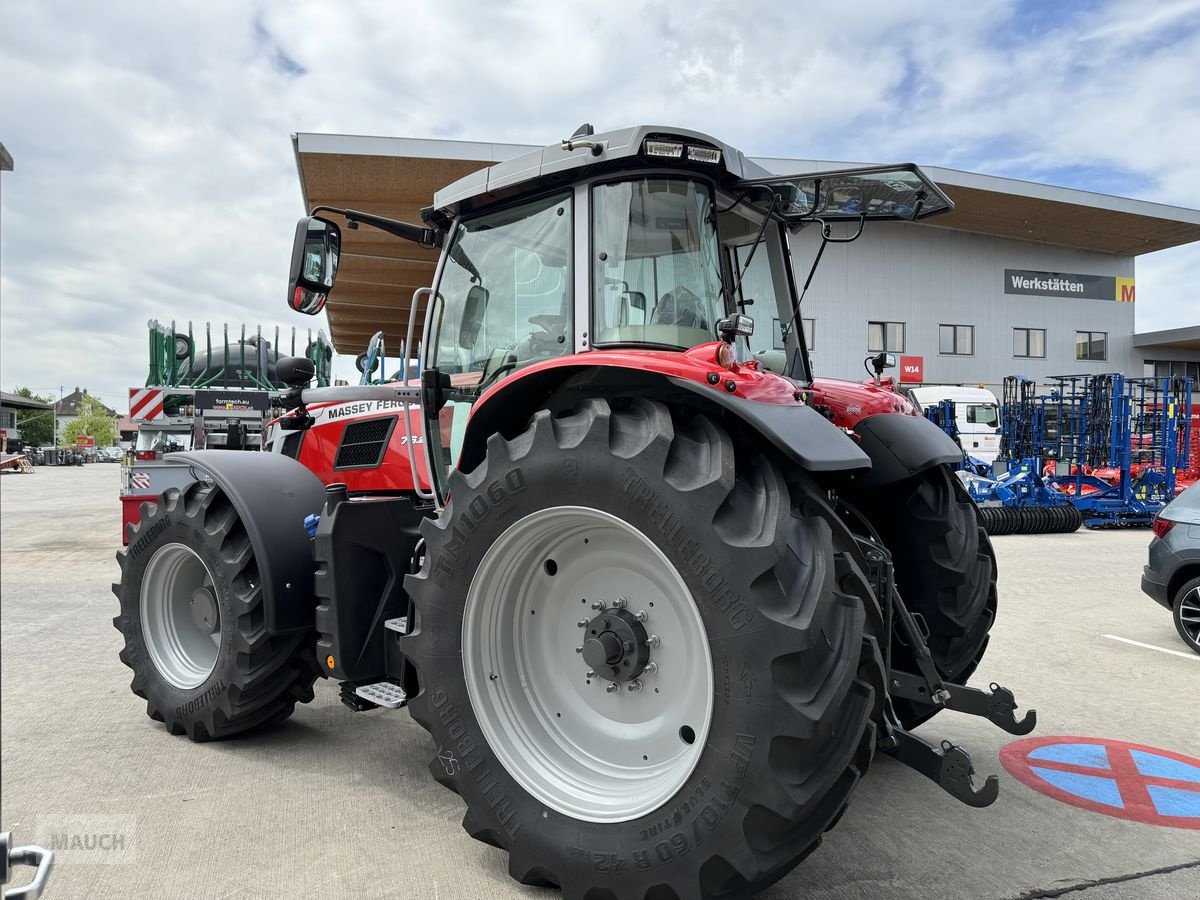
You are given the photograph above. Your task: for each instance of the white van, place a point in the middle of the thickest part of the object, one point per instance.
(976, 412)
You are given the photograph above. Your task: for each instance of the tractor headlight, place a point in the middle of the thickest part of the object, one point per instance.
(704, 154)
(663, 149)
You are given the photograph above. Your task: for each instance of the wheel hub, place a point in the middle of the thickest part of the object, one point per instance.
(616, 647)
(204, 611)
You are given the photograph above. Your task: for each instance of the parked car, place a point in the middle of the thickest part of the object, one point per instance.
(1172, 577)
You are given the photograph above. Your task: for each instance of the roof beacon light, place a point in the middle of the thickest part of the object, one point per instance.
(704, 154)
(666, 149)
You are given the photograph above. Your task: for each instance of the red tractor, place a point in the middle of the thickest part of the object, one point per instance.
(657, 607)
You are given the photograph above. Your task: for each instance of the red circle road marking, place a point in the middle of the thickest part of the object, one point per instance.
(1105, 777)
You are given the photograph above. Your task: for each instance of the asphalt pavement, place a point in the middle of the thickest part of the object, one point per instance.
(336, 804)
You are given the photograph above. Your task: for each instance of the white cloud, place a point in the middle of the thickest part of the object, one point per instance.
(154, 176)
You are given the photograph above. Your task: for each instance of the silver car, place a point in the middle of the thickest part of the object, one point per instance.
(1172, 577)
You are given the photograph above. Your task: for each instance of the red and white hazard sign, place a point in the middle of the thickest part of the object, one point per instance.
(140, 481)
(146, 404)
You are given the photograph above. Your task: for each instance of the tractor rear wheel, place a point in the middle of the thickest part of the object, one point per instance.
(194, 625)
(945, 571)
(648, 660)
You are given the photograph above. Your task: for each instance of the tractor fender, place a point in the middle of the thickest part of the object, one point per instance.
(799, 432)
(272, 494)
(901, 447)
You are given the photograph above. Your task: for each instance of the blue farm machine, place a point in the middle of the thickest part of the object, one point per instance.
(1097, 450)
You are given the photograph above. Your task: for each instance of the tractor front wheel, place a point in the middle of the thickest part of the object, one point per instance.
(945, 571)
(648, 660)
(194, 625)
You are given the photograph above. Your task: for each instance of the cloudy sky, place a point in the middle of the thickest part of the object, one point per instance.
(154, 174)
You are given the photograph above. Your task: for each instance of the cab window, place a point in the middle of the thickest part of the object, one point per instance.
(505, 294)
(656, 271)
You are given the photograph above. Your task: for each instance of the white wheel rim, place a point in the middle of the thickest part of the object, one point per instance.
(177, 595)
(581, 749)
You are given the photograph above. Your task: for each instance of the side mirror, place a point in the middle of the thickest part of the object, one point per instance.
(472, 317)
(315, 252)
(637, 300)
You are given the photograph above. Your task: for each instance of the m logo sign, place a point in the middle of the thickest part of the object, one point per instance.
(1125, 289)
(912, 369)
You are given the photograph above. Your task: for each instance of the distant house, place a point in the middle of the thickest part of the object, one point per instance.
(67, 409)
(9, 404)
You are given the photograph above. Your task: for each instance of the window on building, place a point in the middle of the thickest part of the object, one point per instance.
(956, 340)
(885, 337)
(1029, 342)
(1091, 345)
(1161, 368)
(778, 337)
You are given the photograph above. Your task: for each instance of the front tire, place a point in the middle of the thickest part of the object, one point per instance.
(945, 571)
(194, 624)
(724, 769)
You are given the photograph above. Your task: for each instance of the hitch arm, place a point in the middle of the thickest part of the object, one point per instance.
(999, 706)
(948, 766)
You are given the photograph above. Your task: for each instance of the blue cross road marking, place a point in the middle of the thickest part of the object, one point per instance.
(1116, 778)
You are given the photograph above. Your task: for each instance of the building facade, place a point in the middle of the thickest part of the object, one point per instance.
(966, 308)
(1019, 279)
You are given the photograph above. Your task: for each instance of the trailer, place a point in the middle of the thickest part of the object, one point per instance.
(1108, 446)
(218, 398)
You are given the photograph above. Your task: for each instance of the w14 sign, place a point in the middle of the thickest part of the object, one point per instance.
(912, 369)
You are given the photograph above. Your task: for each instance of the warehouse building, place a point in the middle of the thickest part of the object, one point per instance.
(1021, 278)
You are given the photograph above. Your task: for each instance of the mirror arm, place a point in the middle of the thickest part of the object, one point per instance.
(430, 238)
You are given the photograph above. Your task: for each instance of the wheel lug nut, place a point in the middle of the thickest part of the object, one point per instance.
(641, 615)
(619, 603)
(599, 605)
(651, 668)
(612, 688)
(634, 685)
(583, 623)
(579, 649)
(653, 641)
(591, 674)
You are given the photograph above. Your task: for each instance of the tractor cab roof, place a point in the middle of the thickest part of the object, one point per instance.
(877, 192)
(585, 153)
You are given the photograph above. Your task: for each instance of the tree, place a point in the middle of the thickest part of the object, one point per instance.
(93, 421)
(36, 425)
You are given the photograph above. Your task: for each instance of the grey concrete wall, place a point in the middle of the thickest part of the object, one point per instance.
(926, 276)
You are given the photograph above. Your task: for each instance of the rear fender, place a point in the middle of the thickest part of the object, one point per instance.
(272, 494)
(902, 446)
(799, 432)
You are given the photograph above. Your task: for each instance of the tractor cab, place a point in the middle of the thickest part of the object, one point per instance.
(643, 242)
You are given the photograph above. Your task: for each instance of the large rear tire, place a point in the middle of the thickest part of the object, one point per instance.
(723, 768)
(194, 624)
(945, 571)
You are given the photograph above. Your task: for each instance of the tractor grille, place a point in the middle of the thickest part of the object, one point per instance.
(364, 443)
